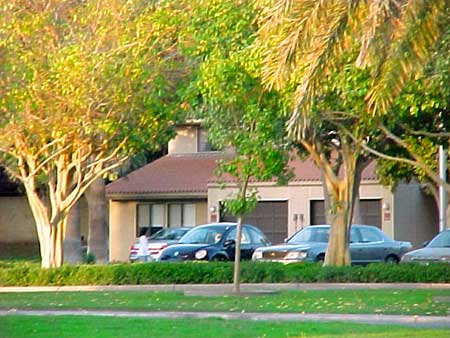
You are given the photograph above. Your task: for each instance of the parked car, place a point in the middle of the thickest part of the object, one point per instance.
(215, 242)
(368, 244)
(158, 241)
(437, 250)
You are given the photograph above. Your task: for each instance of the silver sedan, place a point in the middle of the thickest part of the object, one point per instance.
(438, 250)
(368, 244)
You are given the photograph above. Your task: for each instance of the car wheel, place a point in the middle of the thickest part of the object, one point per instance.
(391, 259)
(218, 258)
(320, 258)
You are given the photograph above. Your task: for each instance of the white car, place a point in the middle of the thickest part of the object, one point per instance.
(158, 241)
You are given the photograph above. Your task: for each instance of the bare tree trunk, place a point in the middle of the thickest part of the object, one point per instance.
(72, 237)
(50, 234)
(448, 216)
(237, 257)
(338, 252)
(342, 192)
(97, 237)
(326, 202)
(357, 219)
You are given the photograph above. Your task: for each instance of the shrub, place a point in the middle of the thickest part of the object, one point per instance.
(26, 274)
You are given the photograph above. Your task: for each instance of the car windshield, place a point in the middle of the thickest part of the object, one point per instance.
(441, 241)
(310, 234)
(171, 234)
(204, 235)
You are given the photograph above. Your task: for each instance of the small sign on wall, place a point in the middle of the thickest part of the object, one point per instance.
(387, 216)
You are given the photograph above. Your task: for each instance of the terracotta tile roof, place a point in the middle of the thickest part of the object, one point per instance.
(175, 173)
(191, 173)
(307, 171)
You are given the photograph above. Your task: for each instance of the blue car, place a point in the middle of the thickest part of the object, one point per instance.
(214, 242)
(368, 244)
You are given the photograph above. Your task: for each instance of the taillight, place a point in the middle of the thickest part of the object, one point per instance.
(158, 246)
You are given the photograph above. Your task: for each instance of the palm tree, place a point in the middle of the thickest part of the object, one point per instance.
(303, 42)
(394, 37)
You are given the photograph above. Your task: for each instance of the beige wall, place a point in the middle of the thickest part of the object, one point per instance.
(415, 214)
(185, 141)
(122, 225)
(16, 220)
(299, 197)
(201, 213)
(122, 229)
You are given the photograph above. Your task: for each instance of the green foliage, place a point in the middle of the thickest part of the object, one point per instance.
(228, 96)
(419, 114)
(89, 258)
(22, 274)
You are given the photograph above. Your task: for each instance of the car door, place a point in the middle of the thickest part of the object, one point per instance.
(373, 246)
(246, 244)
(355, 245)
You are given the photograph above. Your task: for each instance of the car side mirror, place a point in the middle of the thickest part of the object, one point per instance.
(424, 244)
(229, 242)
(285, 240)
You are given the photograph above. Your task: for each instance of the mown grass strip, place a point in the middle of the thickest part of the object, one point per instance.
(404, 302)
(71, 327)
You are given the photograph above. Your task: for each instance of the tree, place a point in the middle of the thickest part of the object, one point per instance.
(422, 117)
(421, 123)
(242, 120)
(77, 96)
(304, 43)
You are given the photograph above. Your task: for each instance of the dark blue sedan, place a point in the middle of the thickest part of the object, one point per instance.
(215, 242)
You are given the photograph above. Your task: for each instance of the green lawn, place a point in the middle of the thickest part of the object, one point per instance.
(412, 302)
(72, 326)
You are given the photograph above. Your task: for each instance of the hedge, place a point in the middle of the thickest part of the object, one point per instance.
(23, 274)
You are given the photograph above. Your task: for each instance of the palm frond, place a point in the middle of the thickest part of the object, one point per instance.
(290, 27)
(411, 48)
(326, 45)
(378, 26)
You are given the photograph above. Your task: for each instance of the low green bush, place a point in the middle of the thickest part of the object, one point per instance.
(25, 274)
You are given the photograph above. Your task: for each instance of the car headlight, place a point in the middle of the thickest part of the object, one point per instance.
(257, 255)
(296, 255)
(200, 254)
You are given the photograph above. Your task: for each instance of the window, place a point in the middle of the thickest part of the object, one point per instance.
(203, 144)
(181, 215)
(370, 235)
(245, 236)
(354, 236)
(150, 216)
(257, 237)
(311, 234)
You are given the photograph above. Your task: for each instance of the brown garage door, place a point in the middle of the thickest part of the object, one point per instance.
(270, 217)
(370, 212)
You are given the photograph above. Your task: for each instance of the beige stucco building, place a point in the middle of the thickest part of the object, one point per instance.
(180, 189)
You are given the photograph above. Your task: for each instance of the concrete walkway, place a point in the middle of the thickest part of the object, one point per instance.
(415, 321)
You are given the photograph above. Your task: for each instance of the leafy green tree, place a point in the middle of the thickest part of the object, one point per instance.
(78, 95)
(243, 120)
(420, 126)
